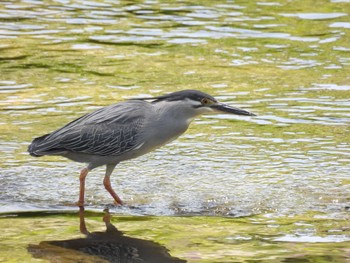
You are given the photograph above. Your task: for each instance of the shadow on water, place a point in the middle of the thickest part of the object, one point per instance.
(108, 246)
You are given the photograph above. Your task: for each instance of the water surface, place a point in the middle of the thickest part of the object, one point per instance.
(288, 62)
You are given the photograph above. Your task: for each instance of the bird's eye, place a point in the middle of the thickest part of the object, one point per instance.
(205, 101)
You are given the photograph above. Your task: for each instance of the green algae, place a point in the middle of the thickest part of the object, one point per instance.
(274, 188)
(303, 238)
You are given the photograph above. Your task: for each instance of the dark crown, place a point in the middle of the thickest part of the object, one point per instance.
(195, 95)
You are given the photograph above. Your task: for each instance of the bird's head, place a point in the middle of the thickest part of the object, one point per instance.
(196, 103)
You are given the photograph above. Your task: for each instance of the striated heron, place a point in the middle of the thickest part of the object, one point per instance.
(126, 130)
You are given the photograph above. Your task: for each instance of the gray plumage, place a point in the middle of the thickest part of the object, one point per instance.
(111, 130)
(126, 130)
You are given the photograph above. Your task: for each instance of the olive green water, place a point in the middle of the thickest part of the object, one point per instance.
(272, 188)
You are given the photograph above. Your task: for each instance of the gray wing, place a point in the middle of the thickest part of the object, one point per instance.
(111, 130)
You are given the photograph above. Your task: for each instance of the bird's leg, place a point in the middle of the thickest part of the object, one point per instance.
(108, 186)
(82, 177)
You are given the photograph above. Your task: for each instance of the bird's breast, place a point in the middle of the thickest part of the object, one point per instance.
(163, 132)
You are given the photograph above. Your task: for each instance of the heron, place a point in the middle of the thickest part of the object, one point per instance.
(126, 130)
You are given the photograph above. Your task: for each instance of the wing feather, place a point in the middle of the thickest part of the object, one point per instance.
(111, 130)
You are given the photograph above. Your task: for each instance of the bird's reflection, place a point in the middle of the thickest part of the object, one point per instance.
(108, 246)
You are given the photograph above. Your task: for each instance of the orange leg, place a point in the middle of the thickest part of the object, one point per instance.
(107, 184)
(82, 177)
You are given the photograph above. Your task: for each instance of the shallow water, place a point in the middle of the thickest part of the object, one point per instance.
(265, 238)
(288, 62)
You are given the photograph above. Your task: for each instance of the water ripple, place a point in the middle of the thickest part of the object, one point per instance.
(62, 59)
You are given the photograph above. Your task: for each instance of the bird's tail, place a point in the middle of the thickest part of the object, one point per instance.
(34, 148)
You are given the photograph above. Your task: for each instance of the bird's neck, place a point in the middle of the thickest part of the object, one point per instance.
(177, 112)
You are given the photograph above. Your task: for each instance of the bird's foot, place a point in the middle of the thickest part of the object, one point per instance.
(118, 202)
(79, 203)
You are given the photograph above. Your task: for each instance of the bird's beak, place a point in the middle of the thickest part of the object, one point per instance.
(221, 107)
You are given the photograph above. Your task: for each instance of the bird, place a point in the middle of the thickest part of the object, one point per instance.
(126, 130)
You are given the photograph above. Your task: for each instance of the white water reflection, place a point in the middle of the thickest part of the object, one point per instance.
(316, 16)
(313, 239)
